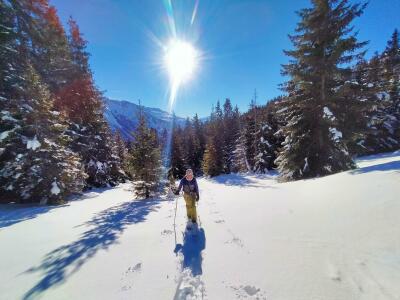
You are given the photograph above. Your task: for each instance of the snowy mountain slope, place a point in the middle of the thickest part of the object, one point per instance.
(335, 237)
(122, 116)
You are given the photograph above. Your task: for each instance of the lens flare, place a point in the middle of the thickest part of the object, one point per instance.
(180, 60)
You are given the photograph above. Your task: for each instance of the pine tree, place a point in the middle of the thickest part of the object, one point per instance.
(212, 163)
(164, 142)
(230, 134)
(248, 141)
(83, 104)
(266, 141)
(213, 160)
(177, 158)
(199, 144)
(319, 70)
(144, 160)
(36, 162)
(391, 75)
(375, 138)
(188, 144)
(358, 96)
(383, 74)
(53, 62)
(8, 50)
(240, 162)
(36, 165)
(119, 170)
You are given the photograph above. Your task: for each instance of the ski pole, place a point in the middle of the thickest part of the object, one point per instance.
(198, 215)
(176, 208)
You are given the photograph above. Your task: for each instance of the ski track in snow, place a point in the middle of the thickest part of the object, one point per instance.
(257, 239)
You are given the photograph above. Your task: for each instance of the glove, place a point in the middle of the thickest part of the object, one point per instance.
(197, 198)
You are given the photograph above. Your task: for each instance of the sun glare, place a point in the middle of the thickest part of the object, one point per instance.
(180, 60)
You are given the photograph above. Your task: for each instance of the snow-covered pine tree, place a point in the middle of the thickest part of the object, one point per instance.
(163, 142)
(391, 74)
(264, 157)
(239, 161)
(122, 151)
(53, 62)
(213, 160)
(375, 138)
(324, 48)
(188, 140)
(217, 135)
(144, 160)
(266, 142)
(83, 104)
(250, 136)
(8, 50)
(383, 73)
(177, 157)
(246, 143)
(36, 165)
(199, 142)
(230, 134)
(104, 166)
(358, 97)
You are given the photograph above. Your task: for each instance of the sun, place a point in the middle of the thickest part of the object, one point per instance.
(180, 60)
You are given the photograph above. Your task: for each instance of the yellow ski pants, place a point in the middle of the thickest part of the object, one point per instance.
(190, 207)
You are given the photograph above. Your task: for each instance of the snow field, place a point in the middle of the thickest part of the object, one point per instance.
(335, 237)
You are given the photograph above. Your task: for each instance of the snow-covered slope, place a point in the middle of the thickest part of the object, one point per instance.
(122, 116)
(336, 237)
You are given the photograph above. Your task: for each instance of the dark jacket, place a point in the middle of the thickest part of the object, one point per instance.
(189, 187)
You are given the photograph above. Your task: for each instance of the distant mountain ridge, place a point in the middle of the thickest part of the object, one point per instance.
(121, 115)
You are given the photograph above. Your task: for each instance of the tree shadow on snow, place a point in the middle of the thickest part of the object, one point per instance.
(11, 214)
(14, 213)
(378, 156)
(242, 180)
(193, 244)
(388, 166)
(105, 229)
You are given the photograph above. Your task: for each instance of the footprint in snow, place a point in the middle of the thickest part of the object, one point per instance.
(166, 232)
(334, 273)
(249, 292)
(190, 287)
(219, 221)
(131, 270)
(135, 268)
(235, 241)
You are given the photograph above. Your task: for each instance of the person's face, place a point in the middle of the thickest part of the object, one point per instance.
(189, 175)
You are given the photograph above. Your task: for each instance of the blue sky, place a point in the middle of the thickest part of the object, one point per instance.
(241, 42)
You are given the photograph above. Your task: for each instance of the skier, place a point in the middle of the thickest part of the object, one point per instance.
(190, 194)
